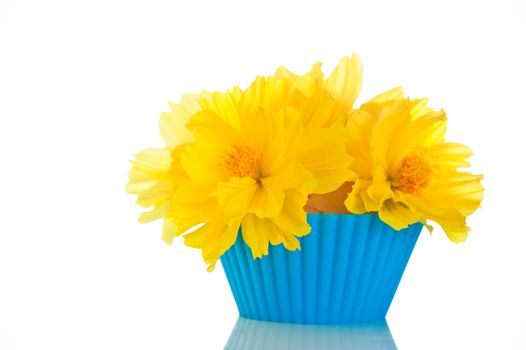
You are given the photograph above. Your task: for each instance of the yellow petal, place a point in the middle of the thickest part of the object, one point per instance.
(168, 230)
(150, 166)
(449, 154)
(224, 105)
(285, 177)
(284, 138)
(397, 215)
(209, 126)
(258, 232)
(423, 132)
(192, 204)
(345, 81)
(258, 130)
(173, 130)
(201, 159)
(157, 194)
(154, 177)
(214, 239)
(369, 204)
(306, 83)
(323, 153)
(292, 220)
(462, 191)
(154, 214)
(187, 108)
(388, 96)
(266, 202)
(256, 238)
(173, 124)
(452, 222)
(236, 196)
(277, 236)
(354, 202)
(419, 108)
(359, 128)
(386, 130)
(320, 111)
(380, 189)
(267, 93)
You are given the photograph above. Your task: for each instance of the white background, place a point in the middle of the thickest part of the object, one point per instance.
(81, 88)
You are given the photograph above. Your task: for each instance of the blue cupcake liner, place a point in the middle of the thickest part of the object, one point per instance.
(261, 335)
(347, 271)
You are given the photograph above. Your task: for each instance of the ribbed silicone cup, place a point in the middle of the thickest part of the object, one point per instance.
(347, 271)
(261, 335)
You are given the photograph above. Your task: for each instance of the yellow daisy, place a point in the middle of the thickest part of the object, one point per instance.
(245, 159)
(404, 168)
(253, 166)
(247, 177)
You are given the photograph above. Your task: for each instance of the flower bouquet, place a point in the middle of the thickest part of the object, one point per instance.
(312, 205)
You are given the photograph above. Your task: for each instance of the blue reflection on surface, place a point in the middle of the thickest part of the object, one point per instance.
(259, 335)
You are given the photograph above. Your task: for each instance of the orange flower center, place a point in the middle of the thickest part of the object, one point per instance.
(241, 161)
(414, 174)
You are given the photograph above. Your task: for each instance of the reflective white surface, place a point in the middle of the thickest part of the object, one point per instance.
(258, 335)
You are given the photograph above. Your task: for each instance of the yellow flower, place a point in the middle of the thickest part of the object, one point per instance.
(248, 159)
(253, 166)
(404, 168)
(247, 176)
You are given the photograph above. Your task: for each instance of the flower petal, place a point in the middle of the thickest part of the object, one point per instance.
(449, 154)
(397, 215)
(380, 189)
(224, 105)
(201, 159)
(173, 124)
(285, 178)
(214, 239)
(154, 214)
(423, 132)
(388, 96)
(255, 236)
(192, 204)
(345, 81)
(236, 196)
(267, 202)
(452, 222)
(154, 177)
(354, 202)
(292, 220)
(323, 153)
(459, 190)
(150, 166)
(168, 231)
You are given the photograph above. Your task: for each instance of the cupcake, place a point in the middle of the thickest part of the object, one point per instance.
(312, 206)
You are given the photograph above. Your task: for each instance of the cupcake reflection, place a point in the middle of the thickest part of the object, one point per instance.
(259, 335)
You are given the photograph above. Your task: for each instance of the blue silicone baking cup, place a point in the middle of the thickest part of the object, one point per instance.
(347, 271)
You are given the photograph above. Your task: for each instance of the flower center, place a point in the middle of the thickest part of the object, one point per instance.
(241, 161)
(414, 174)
